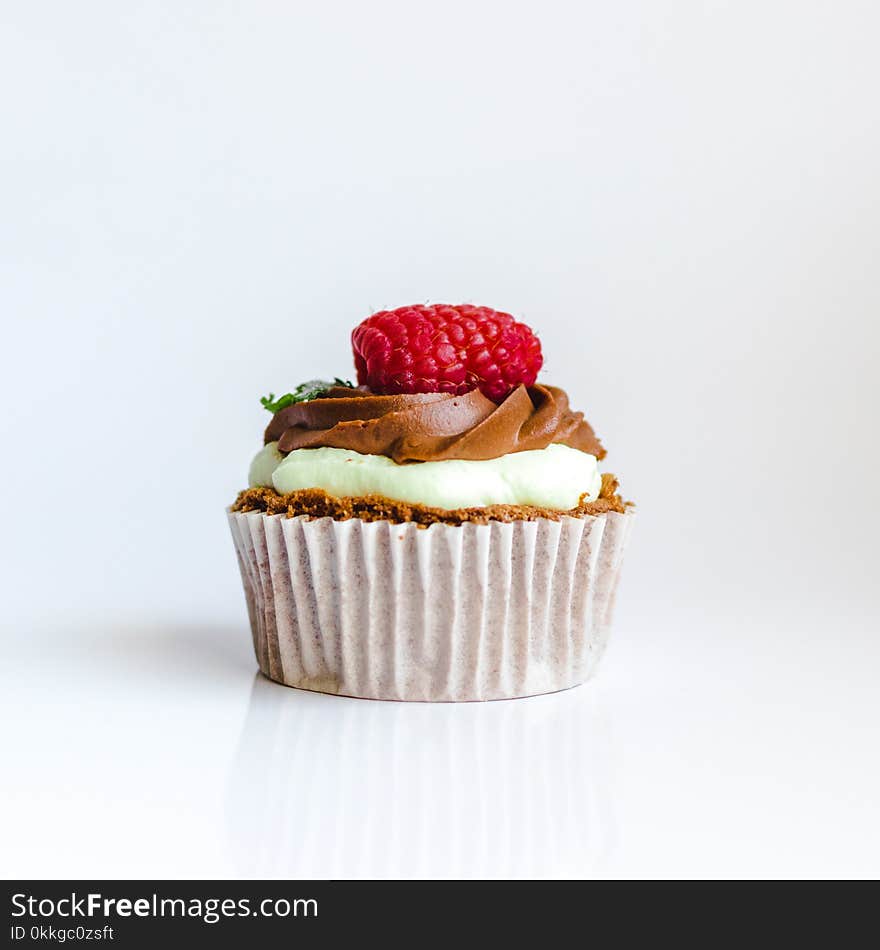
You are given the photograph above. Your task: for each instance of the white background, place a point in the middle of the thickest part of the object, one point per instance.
(198, 201)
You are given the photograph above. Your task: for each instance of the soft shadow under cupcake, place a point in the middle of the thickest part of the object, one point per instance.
(164, 653)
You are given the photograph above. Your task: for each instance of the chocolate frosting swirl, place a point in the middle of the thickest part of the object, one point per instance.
(429, 427)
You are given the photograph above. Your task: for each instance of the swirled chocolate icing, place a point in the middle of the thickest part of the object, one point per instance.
(430, 427)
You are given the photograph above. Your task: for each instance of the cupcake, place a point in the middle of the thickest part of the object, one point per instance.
(439, 532)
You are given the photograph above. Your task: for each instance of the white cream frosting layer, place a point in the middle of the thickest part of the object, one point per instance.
(555, 477)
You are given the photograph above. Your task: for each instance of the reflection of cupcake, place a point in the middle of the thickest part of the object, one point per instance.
(420, 792)
(442, 532)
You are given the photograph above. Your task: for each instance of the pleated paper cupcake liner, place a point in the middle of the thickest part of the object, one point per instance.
(446, 613)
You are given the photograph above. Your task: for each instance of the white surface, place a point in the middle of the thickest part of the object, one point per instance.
(154, 750)
(198, 205)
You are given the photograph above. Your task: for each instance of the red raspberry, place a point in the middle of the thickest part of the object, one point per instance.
(447, 349)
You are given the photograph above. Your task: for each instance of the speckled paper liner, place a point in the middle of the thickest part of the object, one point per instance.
(440, 614)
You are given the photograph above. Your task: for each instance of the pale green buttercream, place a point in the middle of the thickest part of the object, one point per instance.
(554, 477)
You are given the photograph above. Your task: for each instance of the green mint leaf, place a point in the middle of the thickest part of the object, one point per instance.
(303, 393)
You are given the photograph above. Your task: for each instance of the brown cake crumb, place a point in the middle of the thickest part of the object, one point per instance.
(318, 504)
